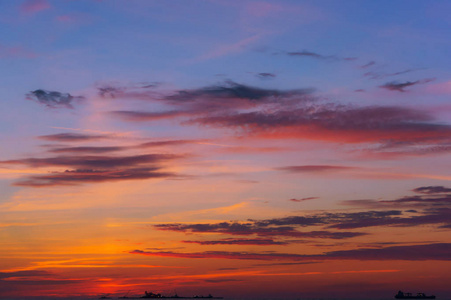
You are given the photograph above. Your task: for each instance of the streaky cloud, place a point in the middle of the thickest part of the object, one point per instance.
(75, 177)
(401, 86)
(305, 53)
(437, 251)
(72, 137)
(92, 161)
(86, 149)
(259, 242)
(313, 169)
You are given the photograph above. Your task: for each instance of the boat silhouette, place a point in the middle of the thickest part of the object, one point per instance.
(150, 295)
(401, 295)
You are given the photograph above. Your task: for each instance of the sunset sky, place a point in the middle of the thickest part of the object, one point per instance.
(247, 149)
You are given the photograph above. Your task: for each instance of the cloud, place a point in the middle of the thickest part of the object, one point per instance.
(15, 52)
(242, 95)
(305, 53)
(229, 94)
(169, 143)
(71, 137)
(92, 161)
(260, 242)
(334, 124)
(296, 113)
(91, 168)
(53, 99)
(381, 75)
(266, 75)
(139, 116)
(259, 228)
(442, 216)
(27, 273)
(432, 190)
(74, 177)
(289, 226)
(438, 251)
(313, 169)
(418, 199)
(34, 6)
(86, 149)
(303, 199)
(369, 64)
(400, 86)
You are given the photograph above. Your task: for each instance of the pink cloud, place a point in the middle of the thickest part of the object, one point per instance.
(34, 6)
(15, 52)
(442, 88)
(261, 9)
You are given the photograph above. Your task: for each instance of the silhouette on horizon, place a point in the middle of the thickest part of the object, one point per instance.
(401, 295)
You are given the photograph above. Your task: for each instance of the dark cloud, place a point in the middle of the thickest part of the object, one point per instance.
(86, 149)
(435, 199)
(442, 216)
(313, 168)
(21, 274)
(221, 280)
(381, 75)
(266, 75)
(432, 190)
(286, 264)
(261, 242)
(89, 162)
(228, 96)
(224, 255)
(139, 116)
(289, 226)
(90, 168)
(260, 228)
(71, 137)
(110, 91)
(315, 55)
(439, 251)
(109, 149)
(74, 177)
(113, 90)
(303, 199)
(232, 90)
(53, 99)
(371, 63)
(169, 143)
(328, 218)
(400, 86)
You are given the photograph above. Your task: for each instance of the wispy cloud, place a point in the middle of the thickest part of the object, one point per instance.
(401, 86)
(303, 199)
(8, 52)
(261, 242)
(261, 228)
(310, 54)
(72, 137)
(34, 6)
(439, 251)
(314, 169)
(91, 168)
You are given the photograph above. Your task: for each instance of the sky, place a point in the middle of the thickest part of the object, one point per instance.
(244, 149)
